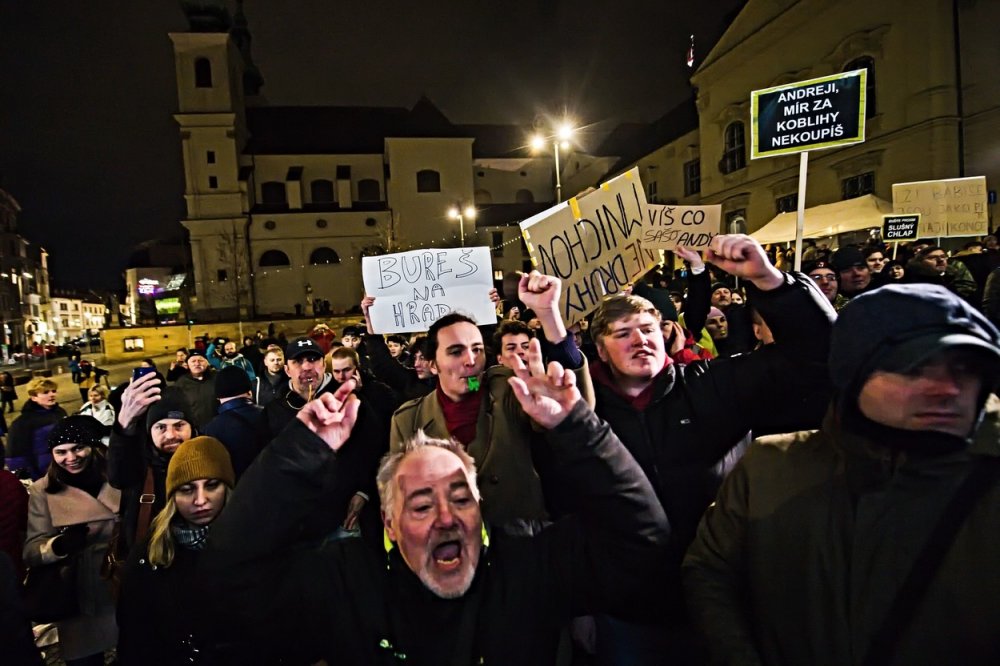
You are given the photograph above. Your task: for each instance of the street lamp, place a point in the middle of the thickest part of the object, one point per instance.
(560, 140)
(457, 212)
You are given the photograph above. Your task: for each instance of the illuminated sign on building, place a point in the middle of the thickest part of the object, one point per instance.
(148, 286)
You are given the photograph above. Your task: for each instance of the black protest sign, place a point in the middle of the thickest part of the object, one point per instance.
(593, 244)
(900, 227)
(808, 115)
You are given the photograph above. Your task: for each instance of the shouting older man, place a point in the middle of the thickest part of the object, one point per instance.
(448, 590)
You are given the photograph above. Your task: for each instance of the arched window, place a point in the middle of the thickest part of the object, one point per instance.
(866, 62)
(483, 197)
(274, 258)
(202, 73)
(324, 255)
(428, 180)
(368, 190)
(273, 193)
(735, 156)
(322, 191)
(524, 196)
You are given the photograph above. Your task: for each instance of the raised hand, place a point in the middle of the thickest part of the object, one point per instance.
(539, 292)
(546, 397)
(742, 256)
(366, 303)
(332, 415)
(136, 399)
(690, 256)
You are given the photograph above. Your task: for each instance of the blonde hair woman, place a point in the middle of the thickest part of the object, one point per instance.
(157, 610)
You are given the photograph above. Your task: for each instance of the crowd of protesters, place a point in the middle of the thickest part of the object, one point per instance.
(730, 462)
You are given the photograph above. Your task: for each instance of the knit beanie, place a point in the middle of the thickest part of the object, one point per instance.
(199, 458)
(171, 405)
(77, 429)
(231, 381)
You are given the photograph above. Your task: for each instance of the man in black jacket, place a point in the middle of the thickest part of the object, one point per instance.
(448, 591)
(240, 425)
(687, 425)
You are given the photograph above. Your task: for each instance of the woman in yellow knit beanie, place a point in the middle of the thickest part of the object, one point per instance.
(157, 612)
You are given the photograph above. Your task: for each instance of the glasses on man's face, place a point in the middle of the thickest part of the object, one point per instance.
(823, 278)
(937, 257)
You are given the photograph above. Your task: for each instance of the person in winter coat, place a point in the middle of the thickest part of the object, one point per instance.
(230, 357)
(13, 517)
(272, 379)
(449, 590)
(160, 618)
(240, 425)
(872, 540)
(28, 453)
(8, 392)
(150, 427)
(98, 407)
(72, 512)
(198, 387)
(409, 383)
(687, 425)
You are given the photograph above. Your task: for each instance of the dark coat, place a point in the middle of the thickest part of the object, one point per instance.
(347, 604)
(27, 444)
(159, 618)
(129, 456)
(241, 426)
(400, 378)
(697, 423)
(200, 395)
(13, 517)
(264, 391)
(15, 630)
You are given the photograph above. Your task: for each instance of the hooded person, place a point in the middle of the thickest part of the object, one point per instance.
(896, 495)
(138, 459)
(159, 621)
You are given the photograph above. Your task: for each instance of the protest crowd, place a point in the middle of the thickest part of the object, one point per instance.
(727, 462)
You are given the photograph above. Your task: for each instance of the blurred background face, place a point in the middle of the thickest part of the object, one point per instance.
(229, 348)
(395, 349)
(95, 397)
(736, 297)
(513, 346)
(876, 262)
(717, 327)
(350, 340)
(342, 369)
(826, 280)
(896, 272)
(72, 457)
(305, 370)
(197, 365)
(422, 367)
(200, 501)
(45, 398)
(722, 298)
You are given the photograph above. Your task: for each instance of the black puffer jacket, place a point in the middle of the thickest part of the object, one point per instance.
(351, 605)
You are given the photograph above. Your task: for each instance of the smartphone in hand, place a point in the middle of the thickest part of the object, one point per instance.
(138, 373)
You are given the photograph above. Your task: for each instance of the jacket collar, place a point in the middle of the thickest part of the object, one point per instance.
(71, 505)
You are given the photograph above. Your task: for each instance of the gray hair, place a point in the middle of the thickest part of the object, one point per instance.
(386, 478)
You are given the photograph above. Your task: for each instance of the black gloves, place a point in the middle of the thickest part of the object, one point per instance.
(72, 540)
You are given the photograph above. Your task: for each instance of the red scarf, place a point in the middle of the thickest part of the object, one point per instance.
(461, 416)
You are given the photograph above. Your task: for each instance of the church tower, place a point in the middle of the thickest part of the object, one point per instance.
(211, 73)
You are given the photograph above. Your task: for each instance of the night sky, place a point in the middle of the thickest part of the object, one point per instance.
(90, 150)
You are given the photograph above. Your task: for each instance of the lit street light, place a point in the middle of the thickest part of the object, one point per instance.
(456, 212)
(560, 140)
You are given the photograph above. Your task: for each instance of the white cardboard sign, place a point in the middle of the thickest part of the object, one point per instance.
(414, 289)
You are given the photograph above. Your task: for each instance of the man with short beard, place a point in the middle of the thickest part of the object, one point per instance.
(687, 425)
(136, 452)
(449, 590)
(307, 379)
(198, 387)
(272, 379)
(230, 357)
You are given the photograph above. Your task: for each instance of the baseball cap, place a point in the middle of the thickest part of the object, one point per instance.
(302, 346)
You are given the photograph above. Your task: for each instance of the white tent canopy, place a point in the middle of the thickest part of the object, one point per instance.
(827, 220)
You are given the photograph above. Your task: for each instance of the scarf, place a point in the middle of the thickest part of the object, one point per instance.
(192, 537)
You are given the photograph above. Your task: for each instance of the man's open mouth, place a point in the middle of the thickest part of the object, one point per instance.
(448, 554)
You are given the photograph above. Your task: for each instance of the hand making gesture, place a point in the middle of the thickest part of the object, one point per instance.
(332, 415)
(742, 256)
(541, 293)
(546, 397)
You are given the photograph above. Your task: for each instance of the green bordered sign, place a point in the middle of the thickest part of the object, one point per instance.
(808, 115)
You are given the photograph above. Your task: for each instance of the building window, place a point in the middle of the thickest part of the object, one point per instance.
(213, 183)
(274, 258)
(857, 186)
(428, 180)
(787, 203)
(481, 174)
(202, 73)
(322, 191)
(735, 156)
(324, 255)
(692, 177)
(134, 344)
(368, 190)
(524, 196)
(222, 275)
(651, 192)
(63, 307)
(866, 62)
(273, 193)
(497, 243)
(210, 157)
(736, 221)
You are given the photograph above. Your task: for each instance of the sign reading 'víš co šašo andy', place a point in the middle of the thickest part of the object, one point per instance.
(808, 115)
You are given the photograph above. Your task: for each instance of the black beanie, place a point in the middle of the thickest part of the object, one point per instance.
(231, 381)
(171, 405)
(77, 429)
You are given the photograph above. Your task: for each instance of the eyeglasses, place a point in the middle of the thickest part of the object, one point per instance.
(823, 278)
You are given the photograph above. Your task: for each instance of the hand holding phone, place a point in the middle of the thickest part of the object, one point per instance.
(139, 373)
